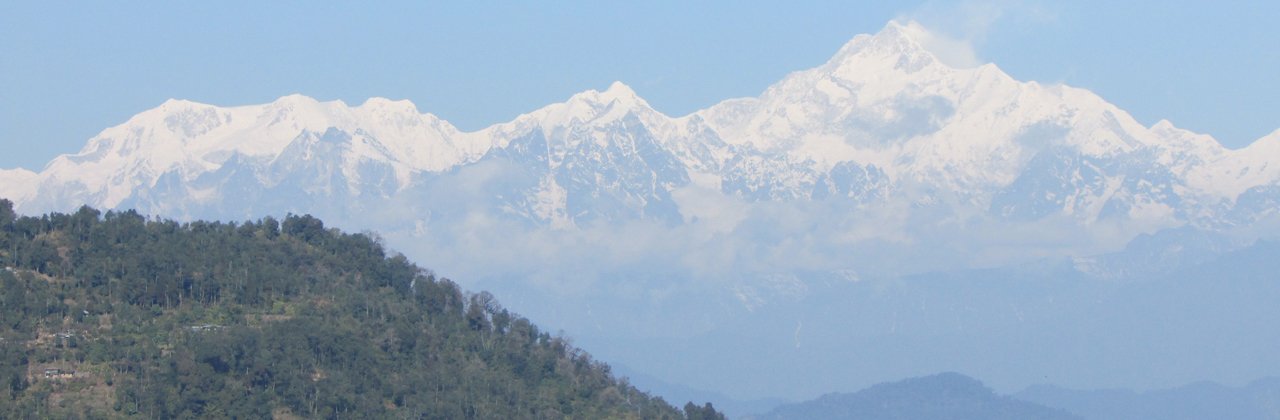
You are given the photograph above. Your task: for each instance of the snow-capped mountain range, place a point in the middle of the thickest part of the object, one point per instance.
(884, 127)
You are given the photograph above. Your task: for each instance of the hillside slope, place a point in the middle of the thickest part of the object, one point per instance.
(118, 316)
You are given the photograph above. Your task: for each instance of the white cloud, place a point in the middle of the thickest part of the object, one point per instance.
(954, 31)
(958, 53)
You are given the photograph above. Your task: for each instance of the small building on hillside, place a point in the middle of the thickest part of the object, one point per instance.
(205, 327)
(55, 373)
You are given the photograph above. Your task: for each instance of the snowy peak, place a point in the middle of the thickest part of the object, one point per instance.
(1259, 162)
(895, 41)
(1268, 142)
(172, 104)
(379, 104)
(185, 140)
(891, 102)
(294, 100)
(618, 92)
(573, 120)
(874, 96)
(1177, 138)
(302, 112)
(178, 116)
(592, 106)
(592, 115)
(617, 95)
(899, 48)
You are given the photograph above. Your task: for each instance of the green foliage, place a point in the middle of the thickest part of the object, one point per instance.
(6, 212)
(269, 319)
(706, 412)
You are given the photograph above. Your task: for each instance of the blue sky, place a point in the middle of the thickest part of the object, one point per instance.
(71, 69)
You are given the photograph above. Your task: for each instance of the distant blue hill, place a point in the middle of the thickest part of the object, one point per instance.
(945, 396)
(1259, 400)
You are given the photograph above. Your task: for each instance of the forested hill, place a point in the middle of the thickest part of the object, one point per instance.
(115, 315)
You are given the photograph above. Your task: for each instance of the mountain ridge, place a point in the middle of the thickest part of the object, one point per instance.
(194, 138)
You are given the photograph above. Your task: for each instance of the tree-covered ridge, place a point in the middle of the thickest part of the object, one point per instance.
(115, 315)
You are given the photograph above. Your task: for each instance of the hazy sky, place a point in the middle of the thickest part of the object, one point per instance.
(71, 69)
